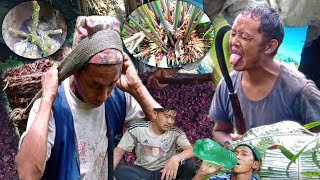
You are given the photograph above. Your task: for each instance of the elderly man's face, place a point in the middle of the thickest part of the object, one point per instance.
(246, 162)
(95, 83)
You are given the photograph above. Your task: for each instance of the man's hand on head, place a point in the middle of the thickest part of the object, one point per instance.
(129, 79)
(171, 168)
(49, 82)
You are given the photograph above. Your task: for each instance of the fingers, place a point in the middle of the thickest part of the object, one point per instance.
(235, 137)
(175, 174)
(125, 57)
(149, 80)
(154, 83)
(49, 82)
(163, 175)
(168, 174)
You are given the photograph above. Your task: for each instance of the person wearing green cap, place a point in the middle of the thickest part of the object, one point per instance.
(249, 161)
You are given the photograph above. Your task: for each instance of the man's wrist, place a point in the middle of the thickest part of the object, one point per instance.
(181, 159)
(47, 99)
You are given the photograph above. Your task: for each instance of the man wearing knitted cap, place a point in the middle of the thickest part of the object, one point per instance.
(72, 129)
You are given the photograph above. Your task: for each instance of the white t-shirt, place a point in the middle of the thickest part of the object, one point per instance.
(153, 151)
(91, 131)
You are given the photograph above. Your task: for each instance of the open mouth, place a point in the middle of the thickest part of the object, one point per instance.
(235, 57)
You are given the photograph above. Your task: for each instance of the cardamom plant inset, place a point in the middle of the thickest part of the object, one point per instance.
(168, 33)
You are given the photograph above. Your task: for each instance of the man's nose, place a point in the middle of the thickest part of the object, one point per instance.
(234, 40)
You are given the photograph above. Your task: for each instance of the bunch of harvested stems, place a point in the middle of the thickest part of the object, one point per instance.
(174, 31)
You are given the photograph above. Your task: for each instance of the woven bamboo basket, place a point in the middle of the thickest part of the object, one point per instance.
(21, 85)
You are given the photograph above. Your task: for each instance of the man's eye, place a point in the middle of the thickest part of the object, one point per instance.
(246, 38)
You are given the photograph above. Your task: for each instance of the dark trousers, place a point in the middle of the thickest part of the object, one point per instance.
(134, 172)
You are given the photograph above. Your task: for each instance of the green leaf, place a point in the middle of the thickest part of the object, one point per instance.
(311, 174)
(312, 125)
(295, 157)
(177, 15)
(150, 26)
(163, 21)
(191, 20)
(315, 158)
(209, 35)
(286, 152)
(146, 32)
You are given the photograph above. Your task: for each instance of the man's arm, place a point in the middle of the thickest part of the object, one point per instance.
(131, 83)
(118, 154)
(223, 132)
(307, 105)
(31, 157)
(171, 168)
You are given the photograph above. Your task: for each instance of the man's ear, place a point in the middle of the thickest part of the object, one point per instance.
(256, 165)
(155, 113)
(272, 46)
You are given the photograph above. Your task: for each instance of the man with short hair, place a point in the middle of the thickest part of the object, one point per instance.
(268, 91)
(72, 129)
(249, 161)
(156, 144)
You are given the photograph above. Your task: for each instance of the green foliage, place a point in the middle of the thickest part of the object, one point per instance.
(12, 62)
(296, 156)
(286, 152)
(312, 125)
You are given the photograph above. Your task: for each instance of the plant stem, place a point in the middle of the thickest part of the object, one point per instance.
(137, 43)
(35, 20)
(177, 15)
(163, 21)
(18, 32)
(147, 22)
(168, 11)
(146, 11)
(194, 25)
(133, 37)
(164, 6)
(191, 20)
(129, 28)
(146, 32)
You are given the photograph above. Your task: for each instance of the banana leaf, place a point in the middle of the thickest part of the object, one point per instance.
(297, 155)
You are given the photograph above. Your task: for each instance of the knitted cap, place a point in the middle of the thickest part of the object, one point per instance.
(107, 38)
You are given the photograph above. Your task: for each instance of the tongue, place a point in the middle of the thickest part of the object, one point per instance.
(234, 58)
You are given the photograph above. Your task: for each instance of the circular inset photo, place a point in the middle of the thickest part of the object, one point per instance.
(167, 34)
(34, 29)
